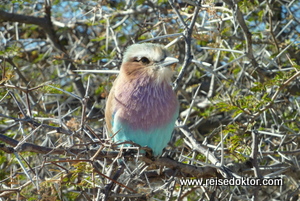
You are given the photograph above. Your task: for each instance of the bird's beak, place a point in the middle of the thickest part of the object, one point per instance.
(168, 61)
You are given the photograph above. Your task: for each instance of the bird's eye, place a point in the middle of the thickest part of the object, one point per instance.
(145, 60)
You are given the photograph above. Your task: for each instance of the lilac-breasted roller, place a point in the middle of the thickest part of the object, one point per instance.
(142, 106)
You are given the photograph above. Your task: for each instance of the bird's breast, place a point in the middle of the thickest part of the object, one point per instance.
(144, 105)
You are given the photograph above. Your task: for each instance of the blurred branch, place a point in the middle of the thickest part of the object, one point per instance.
(43, 22)
(254, 153)
(194, 145)
(248, 36)
(279, 89)
(35, 123)
(200, 172)
(46, 25)
(64, 149)
(188, 39)
(205, 171)
(5, 192)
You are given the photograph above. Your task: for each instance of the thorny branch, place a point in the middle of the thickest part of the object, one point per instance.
(247, 34)
(73, 150)
(46, 25)
(188, 39)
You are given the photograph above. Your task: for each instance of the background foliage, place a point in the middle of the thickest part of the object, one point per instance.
(238, 86)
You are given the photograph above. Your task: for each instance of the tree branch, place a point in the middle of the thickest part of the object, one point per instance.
(46, 24)
(188, 39)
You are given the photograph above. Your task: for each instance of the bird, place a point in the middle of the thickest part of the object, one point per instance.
(142, 107)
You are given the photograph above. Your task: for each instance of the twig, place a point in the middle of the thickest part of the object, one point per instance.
(247, 34)
(35, 123)
(254, 153)
(206, 171)
(282, 86)
(191, 105)
(188, 38)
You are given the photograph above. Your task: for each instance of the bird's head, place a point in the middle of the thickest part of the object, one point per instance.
(148, 59)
